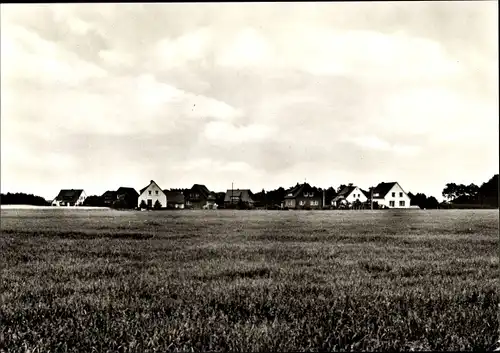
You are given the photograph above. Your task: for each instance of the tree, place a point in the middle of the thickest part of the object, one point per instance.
(431, 203)
(143, 205)
(23, 199)
(342, 186)
(419, 200)
(157, 205)
(450, 191)
(94, 201)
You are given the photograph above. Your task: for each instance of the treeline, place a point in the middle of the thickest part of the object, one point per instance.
(20, 198)
(472, 196)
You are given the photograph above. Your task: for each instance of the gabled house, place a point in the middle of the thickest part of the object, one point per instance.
(199, 197)
(127, 197)
(108, 198)
(239, 197)
(175, 199)
(150, 194)
(349, 195)
(303, 196)
(69, 197)
(391, 195)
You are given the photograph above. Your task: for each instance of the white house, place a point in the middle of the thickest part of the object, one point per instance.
(391, 195)
(152, 193)
(70, 197)
(349, 194)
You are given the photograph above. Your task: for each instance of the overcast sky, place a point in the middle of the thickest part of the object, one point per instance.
(98, 96)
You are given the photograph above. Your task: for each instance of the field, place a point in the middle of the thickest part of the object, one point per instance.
(102, 280)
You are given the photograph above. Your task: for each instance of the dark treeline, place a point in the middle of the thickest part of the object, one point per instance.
(20, 198)
(460, 195)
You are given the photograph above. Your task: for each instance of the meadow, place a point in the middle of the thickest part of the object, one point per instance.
(129, 281)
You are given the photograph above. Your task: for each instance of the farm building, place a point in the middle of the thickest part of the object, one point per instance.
(349, 195)
(108, 198)
(69, 197)
(175, 199)
(391, 195)
(303, 196)
(151, 194)
(241, 197)
(127, 197)
(199, 197)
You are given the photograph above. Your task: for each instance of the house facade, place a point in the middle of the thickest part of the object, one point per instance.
(150, 194)
(108, 198)
(349, 195)
(175, 199)
(239, 197)
(391, 195)
(199, 197)
(69, 197)
(303, 196)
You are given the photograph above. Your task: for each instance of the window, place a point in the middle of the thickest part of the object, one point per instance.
(301, 203)
(400, 194)
(149, 192)
(401, 203)
(393, 194)
(391, 203)
(156, 192)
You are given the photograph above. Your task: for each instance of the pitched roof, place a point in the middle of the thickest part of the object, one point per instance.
(345, 192)
(245, 195)
(109, 194)
(297, 189)
(68, 195)
(382, 189)
(202, 190)
(126, 190)
(174, 196)
(144, 188)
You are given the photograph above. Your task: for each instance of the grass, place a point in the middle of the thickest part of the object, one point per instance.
(87, 280)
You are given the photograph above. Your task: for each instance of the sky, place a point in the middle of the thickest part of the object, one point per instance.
(98, 96)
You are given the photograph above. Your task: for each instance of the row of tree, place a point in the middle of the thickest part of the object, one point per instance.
(485, 195)
(20, 198)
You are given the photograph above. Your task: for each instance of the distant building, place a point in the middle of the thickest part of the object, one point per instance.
(199, 197)
(108, 198)
(150, 194)
(69, 197)
(241, 197)
(391, 195)
(127, 197)
(349, 195)
(303, 196)
(175, 199)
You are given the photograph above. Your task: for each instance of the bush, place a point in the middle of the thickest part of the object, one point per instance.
(143, 205)
(157, 205)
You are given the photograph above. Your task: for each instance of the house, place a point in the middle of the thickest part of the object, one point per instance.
(199, 197)
(175, 199)
(391, 195)
(239, 197)
(151, 194)
(69, 197)
(349, 195)
(304, 196)
(127, 197)
(108, 198)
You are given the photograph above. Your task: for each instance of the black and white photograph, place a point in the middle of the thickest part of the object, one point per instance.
(249, 176)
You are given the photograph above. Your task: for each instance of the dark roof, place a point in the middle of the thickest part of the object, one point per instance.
(126, 190)
(347, 190)
(382, 189)
(69, 195)
(203, 191)
(367, 193)
(109, 194)
(245, 195)
(298, 189)
(174, 196)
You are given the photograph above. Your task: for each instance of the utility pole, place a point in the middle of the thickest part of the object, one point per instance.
(371, 198)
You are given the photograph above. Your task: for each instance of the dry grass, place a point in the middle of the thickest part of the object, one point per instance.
(88, 280)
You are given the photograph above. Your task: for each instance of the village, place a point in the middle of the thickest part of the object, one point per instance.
(302, 196)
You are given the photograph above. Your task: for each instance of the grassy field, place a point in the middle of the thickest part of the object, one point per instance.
(101, 280)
